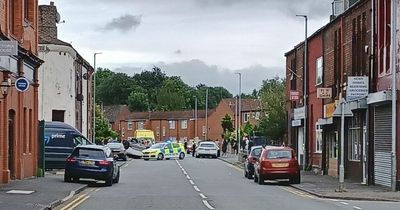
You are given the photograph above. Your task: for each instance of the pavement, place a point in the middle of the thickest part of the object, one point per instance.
(326, 186)
(39, 192)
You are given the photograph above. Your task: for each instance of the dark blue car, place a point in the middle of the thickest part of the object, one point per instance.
(92, 162)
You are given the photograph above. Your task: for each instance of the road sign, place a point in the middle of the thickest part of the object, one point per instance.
(22, 84)
(8, 48)
(294, 95)
(324, 92)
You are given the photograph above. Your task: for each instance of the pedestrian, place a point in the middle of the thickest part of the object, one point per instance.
(193, 148)
(185, 145)
(235, 148)
(224, 148)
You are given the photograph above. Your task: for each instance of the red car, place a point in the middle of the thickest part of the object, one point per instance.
(277, 163)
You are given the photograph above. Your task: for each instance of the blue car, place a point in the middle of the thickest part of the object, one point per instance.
(92, 162)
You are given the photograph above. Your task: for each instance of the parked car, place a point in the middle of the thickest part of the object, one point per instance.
(277, 163)
(165, 150)
(60, 139)
(207, 148)
(92, 162)
(118, 150)
(250, 160)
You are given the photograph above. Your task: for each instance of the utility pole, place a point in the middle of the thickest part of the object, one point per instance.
(393, 68)
(239, 109)
(206, 134)
(94, 97)
(195, 116)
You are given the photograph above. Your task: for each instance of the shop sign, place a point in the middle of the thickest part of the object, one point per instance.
(357, 87)
(329, 109)
(296, 123)
(8, 48)
(299, 113)
(294, 95)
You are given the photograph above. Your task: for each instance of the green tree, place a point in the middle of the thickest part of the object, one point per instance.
(137, 100)
(272, 93)
(226, 123)
(114, 89)
(103, 131)
(246, 129)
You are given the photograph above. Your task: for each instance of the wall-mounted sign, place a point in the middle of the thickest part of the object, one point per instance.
(22, 84)
(329, 109)
(324, 92)
(299, 113)
(296, 123)
(294, 95)
(357, 87)
(8, 48)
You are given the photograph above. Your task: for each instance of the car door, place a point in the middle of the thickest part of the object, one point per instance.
(168, 150)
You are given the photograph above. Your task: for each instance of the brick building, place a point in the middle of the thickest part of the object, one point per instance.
(19, 110)
(180, 125)
(340, 53)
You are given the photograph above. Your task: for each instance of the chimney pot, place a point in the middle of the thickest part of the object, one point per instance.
(52, 3)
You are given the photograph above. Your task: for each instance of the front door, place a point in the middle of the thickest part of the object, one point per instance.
(300, 146)
(11, 128)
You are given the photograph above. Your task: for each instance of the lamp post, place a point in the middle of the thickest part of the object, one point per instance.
(393, 68)
(195, 116)
(206, 134)
(239, 107)
(305, 91)
(94, 97)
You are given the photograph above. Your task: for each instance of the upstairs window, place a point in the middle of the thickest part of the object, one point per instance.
(319, 71)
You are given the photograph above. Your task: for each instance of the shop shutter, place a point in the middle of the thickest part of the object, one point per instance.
(383, 145)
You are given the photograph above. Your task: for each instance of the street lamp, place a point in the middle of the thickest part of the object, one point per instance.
(393, 68)
(206, 134)
(305, 91)
(94, 96)
(195, 116)
(239, 107)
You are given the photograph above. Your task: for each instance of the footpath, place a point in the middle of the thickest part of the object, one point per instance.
(326, 186)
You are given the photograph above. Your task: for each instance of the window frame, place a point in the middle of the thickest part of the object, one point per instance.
(184, 124)
(172, 124)
(354, 137)
(130, 125)
(318, 139)
(319, 71)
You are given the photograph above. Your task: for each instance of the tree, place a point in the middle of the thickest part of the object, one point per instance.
(137, 100)
(103, 131)
(114, 89)
(226, 123)
(272, 93)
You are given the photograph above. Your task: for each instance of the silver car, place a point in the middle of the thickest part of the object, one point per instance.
(207, 148)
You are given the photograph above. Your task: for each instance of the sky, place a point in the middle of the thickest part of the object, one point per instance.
(203, 41)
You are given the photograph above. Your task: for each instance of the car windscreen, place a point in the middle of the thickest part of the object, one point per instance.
(89, 153)
(256, 152)
(279, 154)
(207, 145)
(157, 146)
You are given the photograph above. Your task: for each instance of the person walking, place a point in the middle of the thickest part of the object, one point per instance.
(193, 148)
(224, 148)
(185, 146)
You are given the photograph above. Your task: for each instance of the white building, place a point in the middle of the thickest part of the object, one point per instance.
(65, 77)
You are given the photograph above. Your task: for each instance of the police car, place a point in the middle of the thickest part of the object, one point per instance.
(165, 150)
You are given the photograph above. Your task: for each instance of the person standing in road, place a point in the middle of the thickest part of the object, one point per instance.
(193, 148)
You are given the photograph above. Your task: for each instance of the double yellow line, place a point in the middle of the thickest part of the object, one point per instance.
(298, 192)
(76, 202)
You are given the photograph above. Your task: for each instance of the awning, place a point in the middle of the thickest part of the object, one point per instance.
(325, 121)
(379, 97)
(358, 104)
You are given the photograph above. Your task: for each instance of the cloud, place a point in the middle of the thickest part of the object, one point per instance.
(194, 72)
(124, 23)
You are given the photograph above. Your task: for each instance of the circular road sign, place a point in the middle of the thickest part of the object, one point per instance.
(22, 84)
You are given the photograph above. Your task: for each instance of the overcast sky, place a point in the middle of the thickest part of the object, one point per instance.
(203, 41)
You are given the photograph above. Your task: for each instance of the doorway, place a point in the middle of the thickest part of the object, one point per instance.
(11, 134)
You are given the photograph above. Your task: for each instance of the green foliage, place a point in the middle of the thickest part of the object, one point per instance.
(227, 124)
(103, 131)
(247, 129)
(272, 93)
(153, 90)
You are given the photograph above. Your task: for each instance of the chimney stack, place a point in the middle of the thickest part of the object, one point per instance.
(48, 19)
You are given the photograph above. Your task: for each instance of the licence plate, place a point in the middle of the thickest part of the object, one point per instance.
(280, 165)
(87, 162)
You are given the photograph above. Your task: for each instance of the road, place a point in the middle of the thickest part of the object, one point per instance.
(201, 184)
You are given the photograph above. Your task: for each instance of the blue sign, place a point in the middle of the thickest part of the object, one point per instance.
(22, 84)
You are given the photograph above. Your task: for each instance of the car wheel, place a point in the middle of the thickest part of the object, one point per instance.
(146, 159)
(260, 179)
(116, 180)
(75, 179)
(181, 156)
(109, 181)
(295, 180)
(67, 177)
(197, 156)
(160, 156)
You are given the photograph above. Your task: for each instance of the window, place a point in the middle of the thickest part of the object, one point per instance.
(158, 131)
(130, 125)
(26, 137)
(354, 138)
(12, 16)
(58, 115)
(163, 131)
(333, 145)
(318, 141)
(319, 69)
(183, 124)
(257, 117)
(140, 125)
(204, 130)
(30, 130)
(171, 124)
(246, 117)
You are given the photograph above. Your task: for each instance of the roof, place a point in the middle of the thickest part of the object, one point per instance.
(167, 115)
(45, 39)
(113, 111)
(247, 104)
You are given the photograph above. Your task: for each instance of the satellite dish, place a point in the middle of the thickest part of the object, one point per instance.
(58, 18)
(85, 76)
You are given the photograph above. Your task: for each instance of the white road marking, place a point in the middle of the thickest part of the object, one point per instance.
(207, 204)
(184, 172)
(202, 196)
(187, 176)
(191, 182)
(196, 188)
(344, 203)
(356, 207)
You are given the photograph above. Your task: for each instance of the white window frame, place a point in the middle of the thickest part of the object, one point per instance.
(318, 138)
(140, 125)
(319, 71)
(257, 117)
(246, 117)
(163, 131)
(172, 124)
(184, 124)
(130, 125)
(354, 138)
